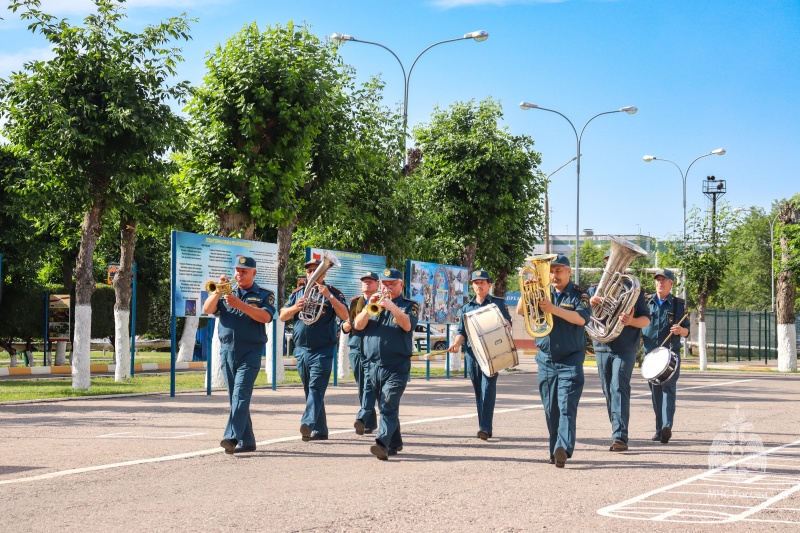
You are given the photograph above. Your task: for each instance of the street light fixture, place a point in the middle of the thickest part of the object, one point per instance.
(650, 158)
(341, 38)
(627, 109)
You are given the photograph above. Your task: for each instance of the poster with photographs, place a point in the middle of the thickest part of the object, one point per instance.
(58, 317)
(441, 290)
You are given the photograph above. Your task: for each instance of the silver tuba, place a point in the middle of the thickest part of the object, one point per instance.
(618, 291)
(312, 309)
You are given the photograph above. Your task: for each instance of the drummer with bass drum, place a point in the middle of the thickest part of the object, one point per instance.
(666, 311)
(485, 387)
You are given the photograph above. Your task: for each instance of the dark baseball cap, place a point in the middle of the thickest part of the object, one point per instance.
(313, 263)
(370, 275)
(562, 260)
(666, 273)
(481, 274)
(390, 274)
(245, 262)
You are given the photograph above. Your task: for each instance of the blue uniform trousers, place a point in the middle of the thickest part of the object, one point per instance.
(663, 397)
(485, 393)
(615, 371)
(390, 386)
(315, 372)
(240, 370)
(366, 396)
(560, 387)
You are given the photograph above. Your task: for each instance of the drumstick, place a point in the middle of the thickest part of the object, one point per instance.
(670, 333)
(437, 352)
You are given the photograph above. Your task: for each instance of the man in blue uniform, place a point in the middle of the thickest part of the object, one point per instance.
(666, 311)
(366, 419)
(242, 315)
(314, 345)
(485, 387)
(560, 358)
(387, 345)
(615, 362)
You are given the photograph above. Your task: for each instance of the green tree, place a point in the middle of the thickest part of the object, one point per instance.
(746, 284)
(704, 261)
(92, 121)
(478, 190)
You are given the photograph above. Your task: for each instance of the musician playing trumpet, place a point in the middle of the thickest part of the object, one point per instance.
(560, 358)
(615, 362)
(485, 387)
(242, 315)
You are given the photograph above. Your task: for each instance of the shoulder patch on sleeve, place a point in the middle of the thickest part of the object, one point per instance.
(271, 298)
(415, 309)
(585, 300)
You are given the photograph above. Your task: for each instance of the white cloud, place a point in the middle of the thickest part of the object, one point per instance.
(14, 62)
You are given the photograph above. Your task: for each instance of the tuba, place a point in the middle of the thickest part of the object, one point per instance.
(534, 286)
(312, 309)
(618, 290)
(223, 289)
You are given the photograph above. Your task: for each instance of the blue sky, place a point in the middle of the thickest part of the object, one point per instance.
(704, 75)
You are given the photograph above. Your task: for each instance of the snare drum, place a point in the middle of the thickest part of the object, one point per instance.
(660, 365)
(490, 339)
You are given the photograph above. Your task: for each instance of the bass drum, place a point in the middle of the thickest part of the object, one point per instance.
(491, 340)
(660, 365)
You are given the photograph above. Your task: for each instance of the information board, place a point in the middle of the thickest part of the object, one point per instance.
(441, 290)
(347, 277)
(198, 259)
(58, 317)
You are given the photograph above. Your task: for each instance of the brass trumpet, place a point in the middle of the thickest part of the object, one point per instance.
(374, 308)
(223, 289)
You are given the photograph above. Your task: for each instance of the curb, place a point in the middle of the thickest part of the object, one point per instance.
(96, 369)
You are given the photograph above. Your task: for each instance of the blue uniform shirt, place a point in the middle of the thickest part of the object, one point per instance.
(566, 338)
(472, 306)
(322, 334)
(355, 340)
(628, 340)
(662, 317)
(236, 329)
(387, 343)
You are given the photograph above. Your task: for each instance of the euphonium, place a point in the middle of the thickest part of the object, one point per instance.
(223, 289)
(534, 286)
(618, 291)
(375, 308)
(312, 309)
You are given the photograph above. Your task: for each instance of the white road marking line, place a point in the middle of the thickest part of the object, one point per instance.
(212, 451)
(132, 435)
(726, 518)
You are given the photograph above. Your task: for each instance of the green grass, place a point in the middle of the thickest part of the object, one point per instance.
(39, 389)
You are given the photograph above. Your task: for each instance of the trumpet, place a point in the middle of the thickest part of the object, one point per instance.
(374, 308)
(223, 289)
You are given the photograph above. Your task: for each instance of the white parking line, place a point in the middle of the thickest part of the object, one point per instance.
(764, 486)
(212, 451)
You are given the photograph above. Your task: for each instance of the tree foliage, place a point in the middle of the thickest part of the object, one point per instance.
(477, 190)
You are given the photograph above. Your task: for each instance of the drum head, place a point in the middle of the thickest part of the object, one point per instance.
(656, 362)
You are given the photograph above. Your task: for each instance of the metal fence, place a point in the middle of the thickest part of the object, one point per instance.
(741, 335)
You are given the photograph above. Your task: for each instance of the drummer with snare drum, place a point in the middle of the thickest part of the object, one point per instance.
(485, 387)
(666, 311)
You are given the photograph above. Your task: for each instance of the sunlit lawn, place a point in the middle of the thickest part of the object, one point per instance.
(36, 389)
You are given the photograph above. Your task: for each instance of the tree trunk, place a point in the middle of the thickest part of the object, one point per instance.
(67, 266)
(468, 255)
(188, 339)
(343, 355)
(280, 376)
(284, 247)
(500, 284)
(702, 300)
(455, 358)
(123, 288)
(217, 377)
(787, 292)
(12, 352)
(61, 353)
(84, 287)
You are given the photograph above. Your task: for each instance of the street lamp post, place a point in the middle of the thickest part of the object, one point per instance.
(628, 109)
(649, 158)
(341, 38)
(772, 263)
(547, 205)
